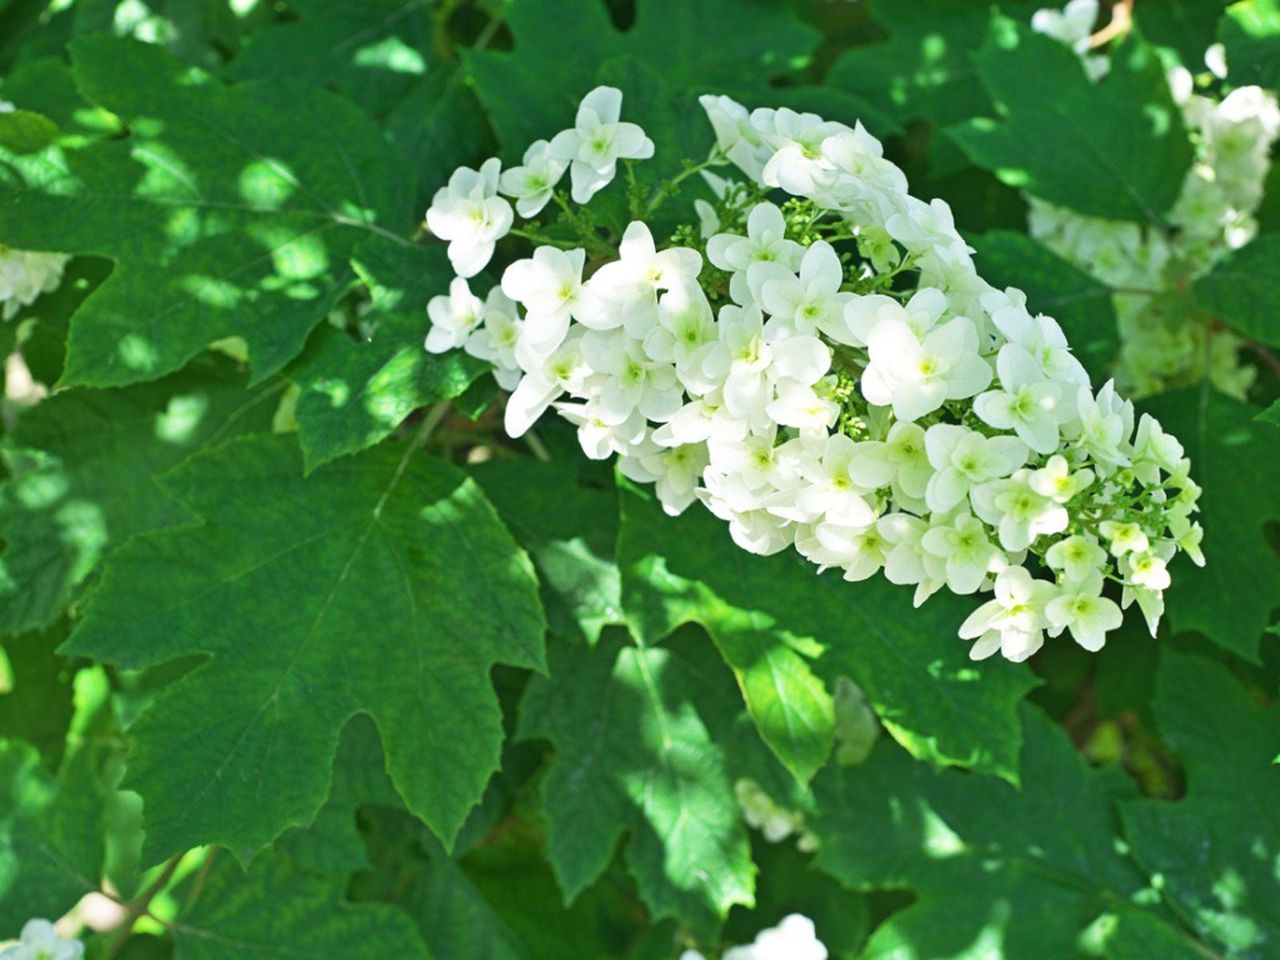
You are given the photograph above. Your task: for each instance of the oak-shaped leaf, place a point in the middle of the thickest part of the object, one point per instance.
(383, 584)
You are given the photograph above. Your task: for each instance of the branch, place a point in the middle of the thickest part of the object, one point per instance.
(1121, 22)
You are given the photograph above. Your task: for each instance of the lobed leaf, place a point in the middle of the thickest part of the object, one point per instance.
(384, 585)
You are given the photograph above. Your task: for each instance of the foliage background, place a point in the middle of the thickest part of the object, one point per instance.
(302, 658)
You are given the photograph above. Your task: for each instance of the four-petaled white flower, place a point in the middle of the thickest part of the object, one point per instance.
(811, 302)
(532, 184)
(1080, 607)
(1014, 621)
(626, 290)
(469, 214)
(766, 242)
(916, 376)
(453, 317)
(1029, 403)
(549, 286)
(597, 142)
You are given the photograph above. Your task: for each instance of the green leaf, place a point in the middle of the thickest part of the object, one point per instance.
(770, 614)
(50, 837)
(924, 69)
(228, 212)
(562, 47)
(1185, 26)
(1117, 149)
(995, 872)
(571, 530)
(1244, 290)
(277, 910)
(47, 87)
(331, 843)
(1056, 287)
(438, 126)
(354, 392)
(384, 584)
(22, 131)
(52, 850)
(36, 692)
(47, 319)
(81, 466)
(633, 755)
(370, 50)
(1217, 848)
(1234, 457)
(1250, 32)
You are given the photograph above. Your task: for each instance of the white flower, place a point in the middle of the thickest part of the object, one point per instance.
(1029, 404)
(796, 138)
(597, 142)
(454, 316)
(532, 184)
(902, 460)
(1077, 557)
(811, 302)
(797, 404)
(1073, 26)
(600, 438)
(469, 214)
(1147, 569)
(1124, 537)
(634, 382)
(1040, 336)
(496, 339)
(735, 137)
(1080, 607)
(921, 313)
(916, 377)
(869, 177)
(549, 285)
(1106, 423)
(832, 491)
(673, 470)
(964, 458)
(626, 290)
(39, 941)
(702, 419)
(1013, 622)
(1017, 511)
(765, 242)
(763, 813)
(748, 365)
(1056, 480)
(968, 555)
(685, 328)
(546, 379)
(795, 938)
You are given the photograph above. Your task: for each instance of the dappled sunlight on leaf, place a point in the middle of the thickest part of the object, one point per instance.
(91, 481)
(771, 615)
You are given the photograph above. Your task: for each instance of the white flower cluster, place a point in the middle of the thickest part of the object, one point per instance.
(795, 938)
(25, 275)
(39, 941)
(1164, 343)
(830, 374)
